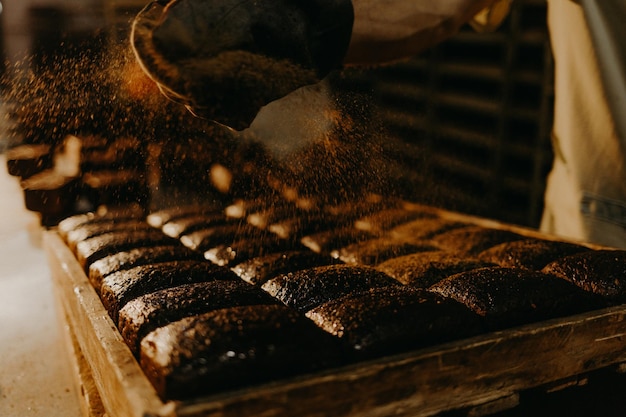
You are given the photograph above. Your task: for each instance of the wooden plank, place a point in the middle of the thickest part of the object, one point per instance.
(123, 388)
(490, 368)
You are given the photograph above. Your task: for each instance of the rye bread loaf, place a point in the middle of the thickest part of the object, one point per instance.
(377, 250)
(383, 220)
(471, 240)
(331, 240)
(257, 271)
(103, 215)
(234, 348)
(423, 269)
(160, 217)
(308, 288)
(529, 253)
(148, 312)
(90, 250)
(207, 238)
(242, 249)
(135, 257)
(424, 228)
(92, 229)
(601, 272)
(387, 320)
(120, 287)
(187, 224)
(507, 297)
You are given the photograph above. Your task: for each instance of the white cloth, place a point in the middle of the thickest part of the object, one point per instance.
(586, 190)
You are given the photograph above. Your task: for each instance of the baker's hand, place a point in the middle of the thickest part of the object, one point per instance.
(225, 59)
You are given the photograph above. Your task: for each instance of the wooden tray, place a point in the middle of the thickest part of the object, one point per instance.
(487, 370)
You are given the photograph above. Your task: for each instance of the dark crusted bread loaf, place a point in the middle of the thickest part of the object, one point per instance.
(246, 248)
(507, 297)
(394, 319)
(602, 272)
(144, 314)
(258, 270)
(132, 212)
(383, 220)
(375, 251)
(135, 257)
(423, 269)
(471, 240)
(187, 224)
(90, 250)
(306, 223)
(93, 229)
(330, 240)
(529, 253)
(424, 228)
(234, 348)
(209, 237)
(308, 288)
(120, 287)
(160, 217)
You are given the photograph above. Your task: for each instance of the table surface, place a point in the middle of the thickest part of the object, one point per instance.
(36, 369)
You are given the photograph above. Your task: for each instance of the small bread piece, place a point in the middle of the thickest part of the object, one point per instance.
(308, 288)
(471, 240)
(601, 272)
(151, 311)
(529, 253)
(90, 250)
(135, 257)
(389, 320)
(507, 297)
(234, 348)
(423, 269)
(375, 251)
(120, 287)
(257, 271)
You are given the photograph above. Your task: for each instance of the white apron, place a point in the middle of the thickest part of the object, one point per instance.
(586, 190)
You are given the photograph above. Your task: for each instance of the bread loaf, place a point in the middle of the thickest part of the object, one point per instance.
(388, 320)
(234, 348)
(601, 272)
(423, 269)
(120, 287)
(308, 288)
(148, 312)
(507, 297)
(135, 257)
